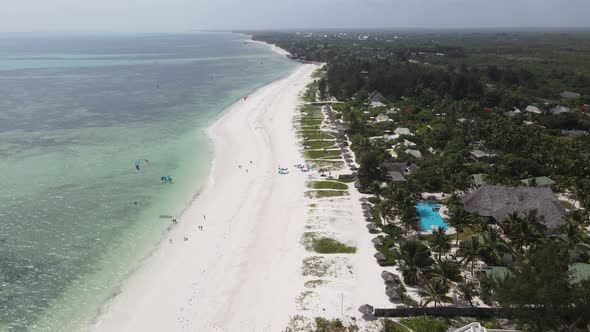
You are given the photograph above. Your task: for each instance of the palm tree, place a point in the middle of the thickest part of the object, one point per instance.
(458, 218)
(409, 216)
(436, 292)
(414, 260)
(447, 271)
(493, 247)
(470, 250)
(572, 237)
(439, 241)
(525, 231)
(480, 223)
(468, 292)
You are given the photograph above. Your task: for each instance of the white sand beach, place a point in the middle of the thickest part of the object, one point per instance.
(237, 274)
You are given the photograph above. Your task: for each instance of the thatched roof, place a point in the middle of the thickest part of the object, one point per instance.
(377, 241)
(387, 276)
(396, 176)
(372, 227)
(366, 309)
(393, 292)
(380, 256)
(499, 201)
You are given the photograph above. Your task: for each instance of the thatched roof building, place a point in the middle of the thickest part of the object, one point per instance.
(499, 201)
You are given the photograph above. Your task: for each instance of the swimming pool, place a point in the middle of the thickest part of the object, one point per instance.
(430, 217)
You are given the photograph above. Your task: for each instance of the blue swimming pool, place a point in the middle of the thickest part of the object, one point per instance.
(430, 217)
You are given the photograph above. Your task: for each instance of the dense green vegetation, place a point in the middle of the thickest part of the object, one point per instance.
(458, 93)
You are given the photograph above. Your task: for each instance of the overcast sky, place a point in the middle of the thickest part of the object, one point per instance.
(181, 15)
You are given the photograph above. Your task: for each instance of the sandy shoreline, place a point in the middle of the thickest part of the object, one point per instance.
(236, 274)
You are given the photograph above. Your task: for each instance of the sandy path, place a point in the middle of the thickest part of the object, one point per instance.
(242, 272)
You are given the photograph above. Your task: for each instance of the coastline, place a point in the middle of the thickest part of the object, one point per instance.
(251, 231)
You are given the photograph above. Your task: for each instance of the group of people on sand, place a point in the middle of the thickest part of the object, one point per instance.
(200, 228)
(242, 167)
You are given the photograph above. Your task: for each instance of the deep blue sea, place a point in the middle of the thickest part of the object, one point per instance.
(76, 111)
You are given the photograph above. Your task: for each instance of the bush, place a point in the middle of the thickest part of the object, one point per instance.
(374, 199)
(326, 245)
(425, 324)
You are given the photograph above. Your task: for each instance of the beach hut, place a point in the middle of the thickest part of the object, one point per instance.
(380, 256)
(388, 276)
(372, 227)
(393, 292)
(378, 241)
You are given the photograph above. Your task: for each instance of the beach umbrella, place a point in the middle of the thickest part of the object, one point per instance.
(377, 241)
(372, 226)
(380, 256)
(387, 276)
(366, 309)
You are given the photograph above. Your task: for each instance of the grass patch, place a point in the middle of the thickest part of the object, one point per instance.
(326, 245)
(311, 121)
(315, 283)
(318, 144)
(325, 193)
(376, 213)
(348, 180)
(425, 324)
(333, 325)
(388, 325)
(322, 154)
(327, 185)
(315, 266)
(302, 299)
(320, 136)
(464, 235)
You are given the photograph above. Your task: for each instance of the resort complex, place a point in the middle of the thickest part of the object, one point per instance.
(478, 220)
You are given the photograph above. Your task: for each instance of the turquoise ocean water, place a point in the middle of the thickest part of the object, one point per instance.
(76, 111)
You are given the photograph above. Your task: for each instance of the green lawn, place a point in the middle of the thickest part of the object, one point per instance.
(322, 154)
(325, 193)
(349, 180)
(327, 185)
(318, 144)
(320, 136)
(424, 324)
(311, 122)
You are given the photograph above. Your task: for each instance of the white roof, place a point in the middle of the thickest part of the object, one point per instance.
(533, 109)
(402, 131)
(391, 137)
(559, 110)
(417, 154)
(377, 104)
(382, 118)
